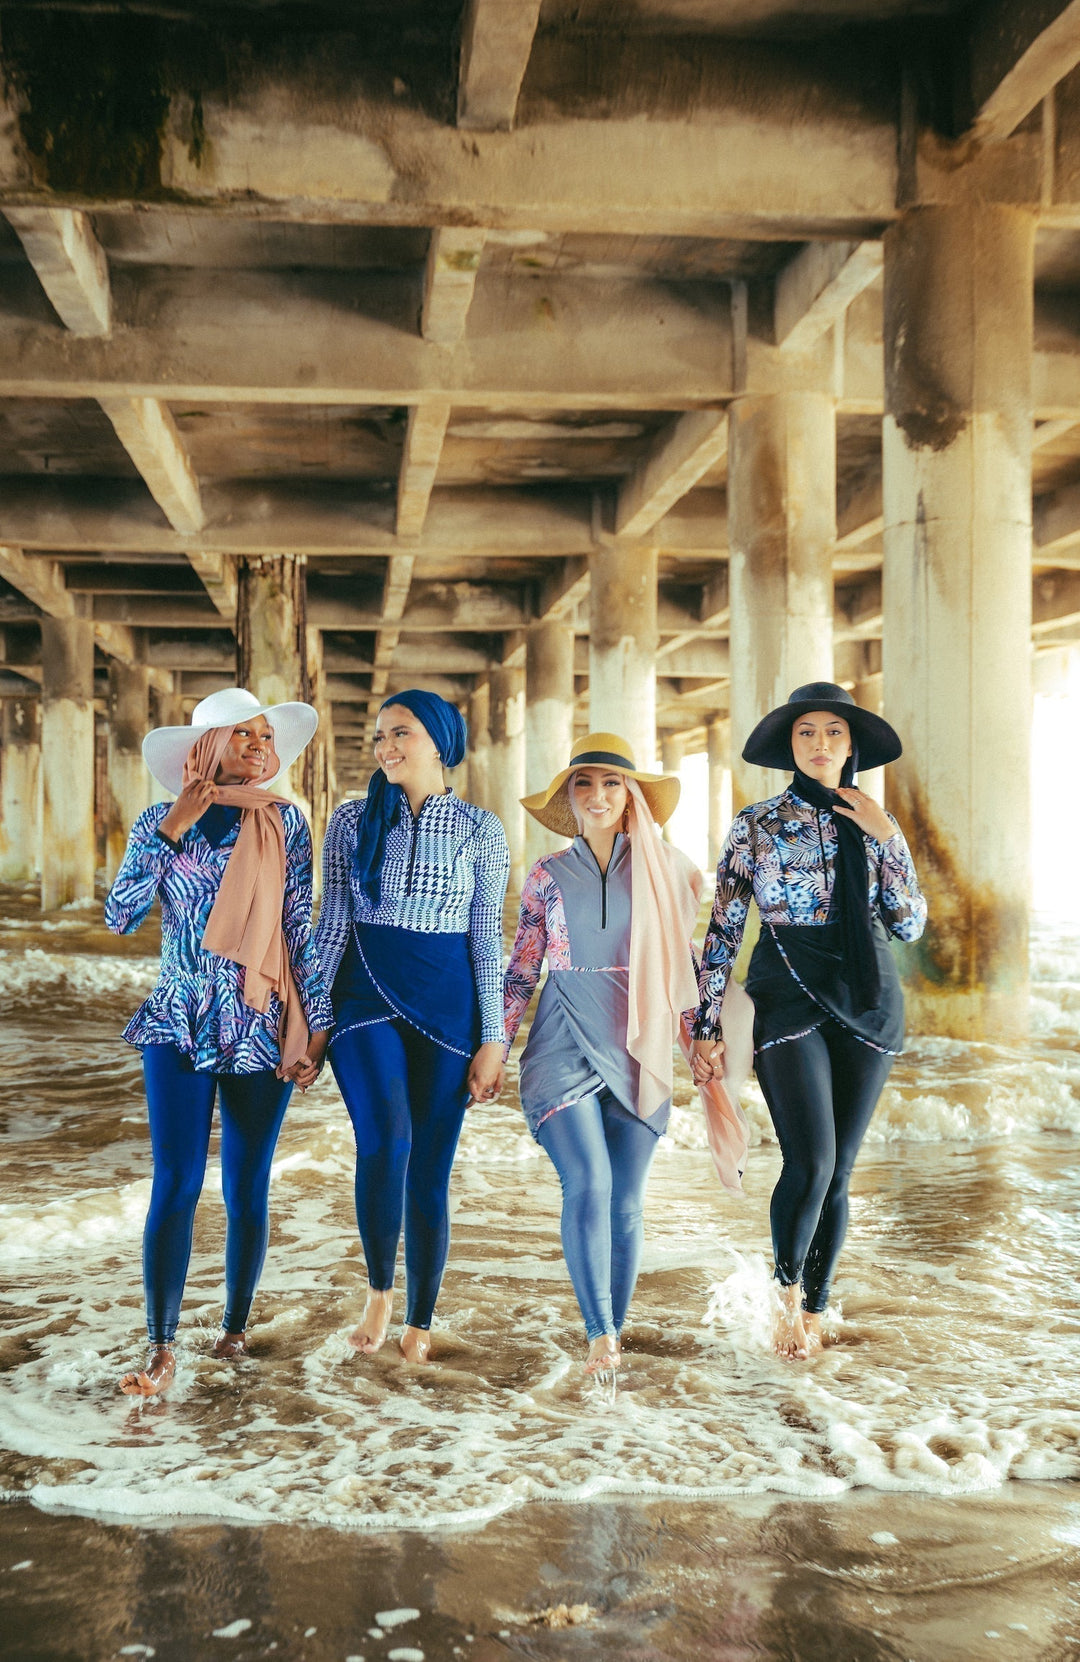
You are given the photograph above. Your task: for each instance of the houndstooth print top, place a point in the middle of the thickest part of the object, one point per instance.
(444, 872)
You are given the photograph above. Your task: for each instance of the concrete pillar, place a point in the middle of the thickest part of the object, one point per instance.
(672, 751)
(272, 640)
(507, 779)
(20, 791)
(869, 691)
(166, 709)
(320, 761)
(67, 761)
(782, 524)
(719, 745)
(956, 449)
(622, 646)
(129, 787)
(479, 722)
(549, 719)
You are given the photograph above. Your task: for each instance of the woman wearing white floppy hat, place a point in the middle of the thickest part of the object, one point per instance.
(613, 914)
(240, 999)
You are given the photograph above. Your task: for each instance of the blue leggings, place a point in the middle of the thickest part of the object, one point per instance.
(406, 1099)
(181, 1109)
(602, 1154)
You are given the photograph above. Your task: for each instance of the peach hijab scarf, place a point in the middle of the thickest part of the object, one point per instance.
(245, 922)
(665, 887)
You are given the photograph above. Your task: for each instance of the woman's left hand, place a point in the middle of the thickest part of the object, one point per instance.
(486, 1073)
(304, 1073)
(868, 815)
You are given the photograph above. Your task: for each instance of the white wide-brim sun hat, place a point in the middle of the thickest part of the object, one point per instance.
(165, 749)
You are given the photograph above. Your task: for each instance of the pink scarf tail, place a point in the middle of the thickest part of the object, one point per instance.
(245, 921)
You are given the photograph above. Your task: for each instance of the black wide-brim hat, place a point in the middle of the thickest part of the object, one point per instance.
(769, 745)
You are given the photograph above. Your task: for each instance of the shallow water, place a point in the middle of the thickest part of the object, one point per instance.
(956, 1318)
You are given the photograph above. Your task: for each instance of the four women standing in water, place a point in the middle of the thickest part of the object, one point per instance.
(409, 938)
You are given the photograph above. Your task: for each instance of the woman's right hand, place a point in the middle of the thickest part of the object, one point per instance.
(189, 806)
(706, 1059)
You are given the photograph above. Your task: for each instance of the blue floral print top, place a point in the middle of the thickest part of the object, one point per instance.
(444, 871)
(782, 853)
(198, 1002)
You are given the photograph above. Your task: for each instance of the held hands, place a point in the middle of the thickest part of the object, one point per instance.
(706, 1059)
(189, 806)
(304, 1073)
(868, 815)
(486, 1073)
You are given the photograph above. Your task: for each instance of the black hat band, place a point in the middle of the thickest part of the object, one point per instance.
(600, 758)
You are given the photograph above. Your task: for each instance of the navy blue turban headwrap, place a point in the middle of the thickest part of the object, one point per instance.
(445, 725)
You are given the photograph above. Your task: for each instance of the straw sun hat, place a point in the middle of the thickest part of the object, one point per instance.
(604, 750)
(165, 749)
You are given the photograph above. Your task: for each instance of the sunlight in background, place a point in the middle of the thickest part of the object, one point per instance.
(1055, 796)
(690, 821)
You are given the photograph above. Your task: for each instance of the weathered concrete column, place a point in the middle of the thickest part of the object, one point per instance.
(957, 600)
(20, 791)
(719, 743)
(67, 761)
(672, 751)
(320, 762)
(549, 719)
(782, 524)
(129, 787)
(622, 646)
(479, 722)
(166, 707)
(507, 778)
(272, 640)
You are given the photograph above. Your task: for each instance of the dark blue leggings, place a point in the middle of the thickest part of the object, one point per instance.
(821, 1091)
(602, 1154)
(181, 1109)
(406, 1098)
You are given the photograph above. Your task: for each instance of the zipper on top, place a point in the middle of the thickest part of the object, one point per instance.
(412, 854)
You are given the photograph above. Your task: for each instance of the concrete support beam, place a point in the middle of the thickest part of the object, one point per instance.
(719, 751)
(479, 722)
(506, 777)
(816, 287)
(271, 633)
(454, 256)
(672, 751)
(41, 581)
(685, 449)
(1055, 602)
(424, 435)
(549, 718)
(563, 590)
(782, 507)
(20, 790)
(1019, 50)
(70, 263)
(149, 434)
(957, 591)
(129, 787)
(623, 636)
(67, 761)
(496, 39)
(399, 572)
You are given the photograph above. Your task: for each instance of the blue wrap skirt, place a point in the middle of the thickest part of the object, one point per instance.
(425, 979)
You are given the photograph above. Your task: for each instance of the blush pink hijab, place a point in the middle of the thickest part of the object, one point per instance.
(665, 888)
(245, 922)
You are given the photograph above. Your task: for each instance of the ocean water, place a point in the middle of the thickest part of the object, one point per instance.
(955, 1324)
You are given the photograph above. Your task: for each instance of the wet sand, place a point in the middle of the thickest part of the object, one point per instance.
(855, 1579)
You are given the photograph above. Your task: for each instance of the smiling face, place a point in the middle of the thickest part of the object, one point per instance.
(598, 797)
(405, 750)
(247, 754)
(821, 744)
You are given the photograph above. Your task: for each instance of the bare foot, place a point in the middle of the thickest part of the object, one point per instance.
(815, 1339)
(416, 1344)
(157, 1375)
(371, 1334)
(230, 1344)
(789, 1334)
(604, 1355)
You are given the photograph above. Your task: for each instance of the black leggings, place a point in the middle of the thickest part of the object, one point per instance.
(821, 1090)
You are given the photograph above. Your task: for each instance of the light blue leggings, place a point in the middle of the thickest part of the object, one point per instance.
(602, 1154)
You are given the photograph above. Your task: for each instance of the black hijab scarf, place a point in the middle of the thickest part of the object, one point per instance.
(850, 905)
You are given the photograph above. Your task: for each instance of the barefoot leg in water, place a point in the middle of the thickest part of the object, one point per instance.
(155, 1377)
(789, 1334)
(812, 1325)
(230, 1344)
(371, 1333)
(416, 1344)
(604, 1355)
